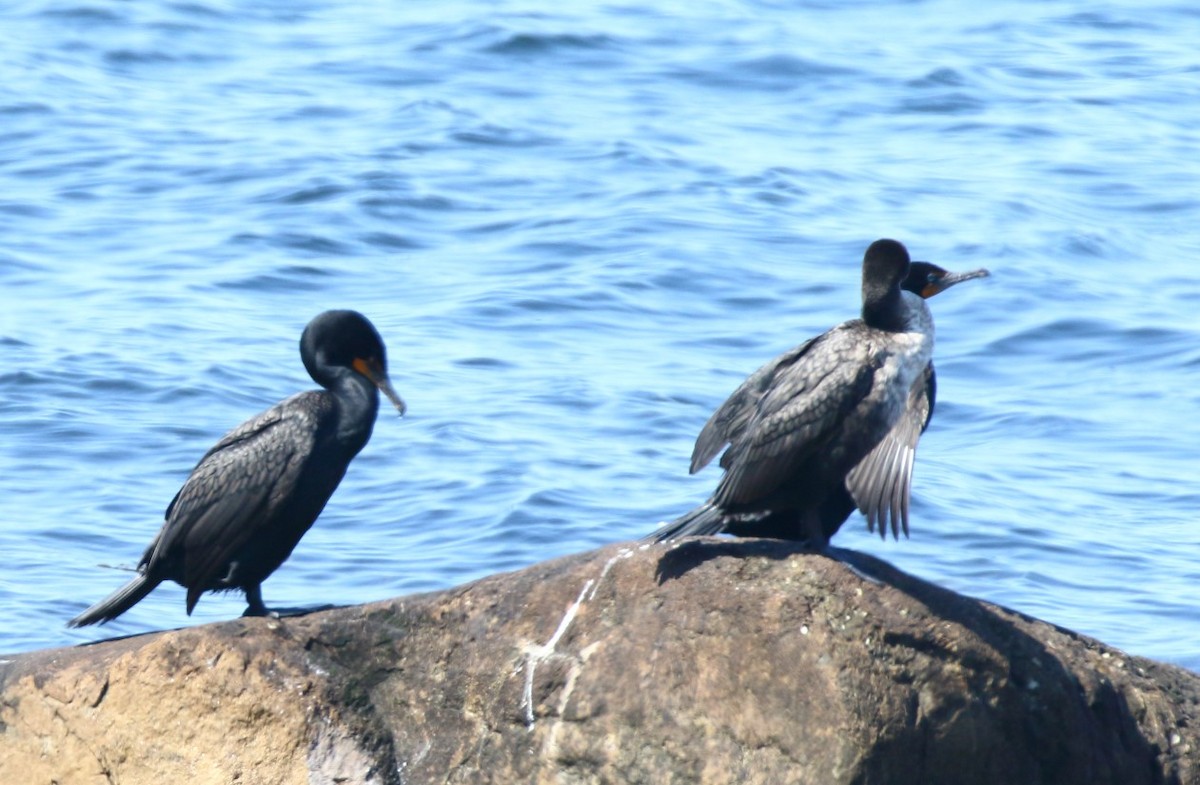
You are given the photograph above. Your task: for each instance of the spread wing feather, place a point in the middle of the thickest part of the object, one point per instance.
(810, 393)
(881, 482)
(728, 423)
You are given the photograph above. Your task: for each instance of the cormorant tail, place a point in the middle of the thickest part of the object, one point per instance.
(116, 603)
(705, 519)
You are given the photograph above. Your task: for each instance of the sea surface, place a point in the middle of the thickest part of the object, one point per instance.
(579, 226)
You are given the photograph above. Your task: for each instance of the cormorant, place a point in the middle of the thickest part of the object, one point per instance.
(258, 490)
(832, 424)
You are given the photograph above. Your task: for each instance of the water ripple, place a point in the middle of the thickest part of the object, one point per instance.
(578, 229)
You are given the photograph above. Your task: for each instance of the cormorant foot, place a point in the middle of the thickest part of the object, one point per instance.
(282, 613)
(847, 558)
(252, 611)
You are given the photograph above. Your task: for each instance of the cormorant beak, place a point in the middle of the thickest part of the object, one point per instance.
(943, 282)
(373, 370)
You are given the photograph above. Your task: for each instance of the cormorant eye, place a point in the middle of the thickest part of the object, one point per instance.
(932, 278)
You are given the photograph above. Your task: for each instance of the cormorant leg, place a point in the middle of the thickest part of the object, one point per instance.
(810, 522)
(254, 602)
(820, 543)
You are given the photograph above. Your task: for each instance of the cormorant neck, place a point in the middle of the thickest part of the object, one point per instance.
(884, 308)
(358, 405)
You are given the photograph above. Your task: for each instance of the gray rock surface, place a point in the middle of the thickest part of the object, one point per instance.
(716, 661)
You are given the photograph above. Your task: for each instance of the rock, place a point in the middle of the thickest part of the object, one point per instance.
(717, 661)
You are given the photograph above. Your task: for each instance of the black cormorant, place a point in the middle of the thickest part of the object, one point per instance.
(258, 490)
(832, 424)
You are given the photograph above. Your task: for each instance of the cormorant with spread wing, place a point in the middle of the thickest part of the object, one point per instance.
(832, 424)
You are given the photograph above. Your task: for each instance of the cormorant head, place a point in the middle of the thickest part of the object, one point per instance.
(885, 266)
(346, 339)
(885, 262)
(927, 279)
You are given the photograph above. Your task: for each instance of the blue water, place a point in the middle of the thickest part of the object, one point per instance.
(578, 227)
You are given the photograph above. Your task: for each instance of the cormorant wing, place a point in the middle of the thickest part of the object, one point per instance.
(728, 423)
(880, 484)
(232, 490)
(801, 414)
